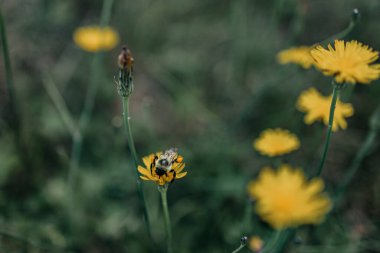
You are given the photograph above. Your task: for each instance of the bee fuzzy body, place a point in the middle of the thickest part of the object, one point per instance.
(163, 164)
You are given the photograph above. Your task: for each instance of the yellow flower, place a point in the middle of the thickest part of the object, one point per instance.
(317, 107)
(285, 198)
(275, 142)
(298, 55)
(95, 38)
(348, 62)
(255, 244)
(149, 172)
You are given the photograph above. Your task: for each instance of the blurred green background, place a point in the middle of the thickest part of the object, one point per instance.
(206, 81)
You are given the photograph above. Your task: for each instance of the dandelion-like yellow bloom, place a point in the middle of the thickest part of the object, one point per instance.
(347, 62)
(95, 38)
(317, 107)
(298, 55)
(255, 244)
(275, 142)
(150, 173)
(285, 198)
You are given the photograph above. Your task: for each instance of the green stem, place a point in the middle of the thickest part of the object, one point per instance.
(76, 148)
(8, 70)
(14, 119)
(362, 152)
(282, 240)
(132, 148)
(73, 169)
(274, 242)
(131, 142)
(59, 103)
(335, 95)
(239, 248)
(353, 22)
(164, 201)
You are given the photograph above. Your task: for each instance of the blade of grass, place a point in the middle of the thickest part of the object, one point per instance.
(9, 77)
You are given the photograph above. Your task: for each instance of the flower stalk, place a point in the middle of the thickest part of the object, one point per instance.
(14, 118)
(336, 90)
(163, 191)
(275, 242)
(124, 85)
(355, 18)
(239, 248)
(77, 135)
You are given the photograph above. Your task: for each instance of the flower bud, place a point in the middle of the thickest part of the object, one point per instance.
(244, 240)
(124, 81)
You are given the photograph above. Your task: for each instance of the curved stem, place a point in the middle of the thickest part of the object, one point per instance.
(164, 201)
(239, 248)
(353, 22)
(8, 72)
(335, 95)
(132, 148)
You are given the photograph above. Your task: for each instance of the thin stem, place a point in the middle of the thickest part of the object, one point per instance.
(131, 142)
(59, 103)
(362, 152)
(355, 16)
(239, 248)
(14, 119)
(95, 70)
(164, 201)
(8, 70)
(132, 148)
(274, 242)
(335, 95)
(76, 148)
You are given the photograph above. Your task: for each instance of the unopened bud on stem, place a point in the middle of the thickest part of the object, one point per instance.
(124, 81)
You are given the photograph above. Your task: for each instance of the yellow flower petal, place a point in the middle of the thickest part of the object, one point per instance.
(298, 55)
(317, 107)
(150, 174)
(95, 38)
(181, 175)
(147, 160)
(348, 62)
(285, 198)
(255, 244)
(275, 142)
(179, 167)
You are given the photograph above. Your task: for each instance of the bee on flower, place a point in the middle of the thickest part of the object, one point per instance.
(163, 167)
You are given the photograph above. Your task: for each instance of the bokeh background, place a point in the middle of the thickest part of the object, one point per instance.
(206, 81)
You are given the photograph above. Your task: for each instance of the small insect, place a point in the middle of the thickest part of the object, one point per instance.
(163, 164)
(125, 59)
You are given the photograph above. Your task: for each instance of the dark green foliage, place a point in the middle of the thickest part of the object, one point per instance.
(206, 81)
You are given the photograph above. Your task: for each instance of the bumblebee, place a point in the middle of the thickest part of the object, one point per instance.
(163, 164)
